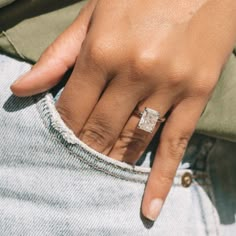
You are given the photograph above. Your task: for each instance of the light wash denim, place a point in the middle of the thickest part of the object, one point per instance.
(53, 184)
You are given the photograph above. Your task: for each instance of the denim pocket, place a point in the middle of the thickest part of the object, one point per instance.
(57, 128)
(189, 200)
(194, 161)
(54, 184)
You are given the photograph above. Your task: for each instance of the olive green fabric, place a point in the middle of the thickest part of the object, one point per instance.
(4, 3)
(28, 27)
(219, 117)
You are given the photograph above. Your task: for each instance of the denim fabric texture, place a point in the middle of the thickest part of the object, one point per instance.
(51, 183)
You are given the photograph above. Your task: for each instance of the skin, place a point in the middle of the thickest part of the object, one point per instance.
(165, 55)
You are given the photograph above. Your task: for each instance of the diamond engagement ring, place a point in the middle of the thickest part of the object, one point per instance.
(148, 119)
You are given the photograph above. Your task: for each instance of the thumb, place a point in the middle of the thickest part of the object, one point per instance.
(57, 58)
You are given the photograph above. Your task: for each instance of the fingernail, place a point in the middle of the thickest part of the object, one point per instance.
(20, 79)
(154, 209)
(17, 81)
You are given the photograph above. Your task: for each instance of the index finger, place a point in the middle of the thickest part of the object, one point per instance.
(60, 56)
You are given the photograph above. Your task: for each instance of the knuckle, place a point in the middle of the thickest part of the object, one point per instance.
(67, 118)
(145, 62)
(205, 82)
(177, 146)
(50, 51)
(207, 73)
(201, 89)
(53, 57)
(200, 81)
(133, 141)
(98, 133)
(165, 179)
(179, 73)
(100, 50)
(95, 52)
(49, 55)
(93, 136)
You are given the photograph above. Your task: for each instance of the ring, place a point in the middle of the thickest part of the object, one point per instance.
(148, 119)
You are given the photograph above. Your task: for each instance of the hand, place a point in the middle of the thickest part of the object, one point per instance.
(165, 55)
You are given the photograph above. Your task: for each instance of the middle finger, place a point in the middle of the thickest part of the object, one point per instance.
(111, 113)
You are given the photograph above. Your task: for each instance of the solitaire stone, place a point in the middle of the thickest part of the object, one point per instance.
(148, 120)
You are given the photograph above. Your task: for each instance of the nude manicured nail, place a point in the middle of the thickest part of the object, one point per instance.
(154, 209)
(20, 79)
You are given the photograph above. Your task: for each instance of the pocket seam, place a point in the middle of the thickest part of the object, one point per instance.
(44, 104)
(46, 108)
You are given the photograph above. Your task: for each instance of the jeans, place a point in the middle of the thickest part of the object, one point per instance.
(51, 183)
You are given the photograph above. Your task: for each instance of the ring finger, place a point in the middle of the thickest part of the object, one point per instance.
(111, 113)
(133, 141)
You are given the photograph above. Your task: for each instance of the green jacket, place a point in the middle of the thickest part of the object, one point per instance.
(28, 27)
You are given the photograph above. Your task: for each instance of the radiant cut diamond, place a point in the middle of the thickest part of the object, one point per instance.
(148, 120)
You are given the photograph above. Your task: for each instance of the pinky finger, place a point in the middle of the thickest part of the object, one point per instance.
(174, 140)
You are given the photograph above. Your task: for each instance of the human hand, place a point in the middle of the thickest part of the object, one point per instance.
(165, 55)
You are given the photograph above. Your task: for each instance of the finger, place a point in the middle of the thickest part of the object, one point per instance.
(57, 59)
(111, 114)
(173, 142)
(132, 141)
(81, 93)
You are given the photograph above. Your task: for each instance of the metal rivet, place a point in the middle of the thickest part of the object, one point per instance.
(187, 179)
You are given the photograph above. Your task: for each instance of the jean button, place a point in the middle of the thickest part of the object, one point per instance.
(187, 179)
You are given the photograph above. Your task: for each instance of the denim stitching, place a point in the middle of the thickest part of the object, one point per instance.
(44, 112)
(70, 144)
